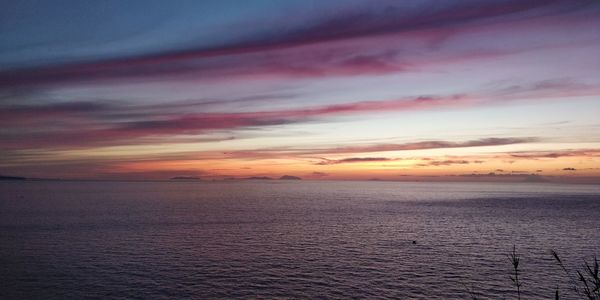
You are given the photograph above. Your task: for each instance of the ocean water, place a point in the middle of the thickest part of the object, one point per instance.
(290, 240)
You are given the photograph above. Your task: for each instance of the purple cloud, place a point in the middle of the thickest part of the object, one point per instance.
(339, 43)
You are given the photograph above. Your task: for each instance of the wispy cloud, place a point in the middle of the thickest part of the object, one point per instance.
(535, 155)
(115, 122)
(449, 162)
(102, 124)
(431, 145)
(317, 153)
(156, 97)
(352, 160)
(318, 174)
(331, 44)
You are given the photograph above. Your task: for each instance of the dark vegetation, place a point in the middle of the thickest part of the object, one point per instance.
(585, 281)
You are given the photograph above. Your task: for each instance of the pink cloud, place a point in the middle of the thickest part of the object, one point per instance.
(84, 124)
(100, 129)
(339, 44)
(352, 160)
(316, 153)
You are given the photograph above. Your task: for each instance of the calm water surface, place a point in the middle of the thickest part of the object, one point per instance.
(275, 239)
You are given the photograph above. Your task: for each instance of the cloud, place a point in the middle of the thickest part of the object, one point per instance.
(535, 155)
(352, 160)
(85, 124)
(546, 88)
(317, 153)
(492, 174)
(115, 124)
(323, 44)
(432, 145)
(449, 162)
(23, 114)
(318, 174)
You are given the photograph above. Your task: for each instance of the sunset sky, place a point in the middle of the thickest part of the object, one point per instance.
(394, 90)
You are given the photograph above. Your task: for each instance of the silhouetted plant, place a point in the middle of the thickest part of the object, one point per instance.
(586, 282)
(514, 259)
(567, 273)
(588, 278)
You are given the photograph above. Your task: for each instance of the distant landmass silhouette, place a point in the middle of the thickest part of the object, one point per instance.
(534, 178)
(259, 178)
(289, 177)
(185, 178)
(12, 178)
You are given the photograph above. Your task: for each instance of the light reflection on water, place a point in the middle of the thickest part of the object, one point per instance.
(274, 239)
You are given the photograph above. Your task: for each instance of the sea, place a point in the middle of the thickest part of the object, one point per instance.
(275, 239)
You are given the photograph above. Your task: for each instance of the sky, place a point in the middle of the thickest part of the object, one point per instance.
(495, 90)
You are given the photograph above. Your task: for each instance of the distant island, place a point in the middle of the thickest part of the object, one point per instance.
(185, 178)
(12, 178)
(534, 178)
(284, 177)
